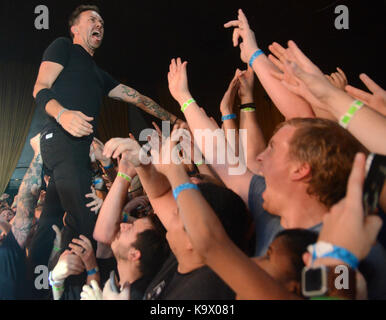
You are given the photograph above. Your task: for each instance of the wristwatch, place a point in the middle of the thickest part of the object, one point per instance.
(329, 281)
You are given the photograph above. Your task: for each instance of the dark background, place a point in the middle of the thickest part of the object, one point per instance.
(142, 36)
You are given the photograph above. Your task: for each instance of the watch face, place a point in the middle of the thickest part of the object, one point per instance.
(314, 281)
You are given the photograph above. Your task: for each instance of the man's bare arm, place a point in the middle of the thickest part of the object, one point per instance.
(130, 95)
(27, 199)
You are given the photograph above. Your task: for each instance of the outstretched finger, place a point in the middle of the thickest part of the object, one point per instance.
(358, 94)
(369, 83)
(233, 23)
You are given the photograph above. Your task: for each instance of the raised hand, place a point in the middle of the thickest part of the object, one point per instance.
(76, 123)
(35, 144)
(68, 264)
(97, 202)
(178, 81)
(246, 80)
(228, 100)
(109, 294)
(376, 99)
(97, 147)
(346, 224)
(82, 247)
(91, 292)
(338, 79)
(117, 146)
(248, 46)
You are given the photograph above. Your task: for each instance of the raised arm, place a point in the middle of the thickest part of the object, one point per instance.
(110, 215)
(255, 142)
(366, 124)
(199, 121)
(130, 95)
(289, 104)
(209, 238)
(28, 195)
(155, 184)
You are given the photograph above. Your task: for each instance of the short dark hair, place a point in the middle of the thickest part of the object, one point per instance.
(296, 241)
(232, 213)
(153, 246)
(73, 19)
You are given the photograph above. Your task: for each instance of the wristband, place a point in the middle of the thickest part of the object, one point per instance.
(199, 163)
(111, 165)
(43, 97)
(346, 118)
(92, 271)
(248, 110)
(254, 56)
(56, 249)
(96, 181)
(60, 114)
(247, 105)
(187, 104)
(228, 117)
(125, 217)
(182, 187)
(124, 176)
(54, 284)
(323, 249)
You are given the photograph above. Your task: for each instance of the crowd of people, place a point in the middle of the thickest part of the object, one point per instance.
(173, 219)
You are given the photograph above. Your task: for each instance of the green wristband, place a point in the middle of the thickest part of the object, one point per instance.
(346, 118)
(187, 104)
(199, 163)
(248, 110)
(56, 249)
(58, 288)
(124, 176)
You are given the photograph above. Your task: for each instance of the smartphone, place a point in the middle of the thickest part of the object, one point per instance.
(113, 285)
(374, 182)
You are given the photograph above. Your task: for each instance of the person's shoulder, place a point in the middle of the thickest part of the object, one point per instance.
(62, 42)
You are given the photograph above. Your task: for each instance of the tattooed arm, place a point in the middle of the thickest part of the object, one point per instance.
(130, 95)
(28, 196)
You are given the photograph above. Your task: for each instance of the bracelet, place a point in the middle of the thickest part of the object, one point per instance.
(96, 181)
(56, 249)
(346, 118)
(60, 114)
(323, 249)
(124, 176)
(248, 110)
(254, 56)
(247, 105)
(228, 117)
(199, 163)
(187, 104)
(182, 187)
(54, 284)
(111, 165)
(92, 271)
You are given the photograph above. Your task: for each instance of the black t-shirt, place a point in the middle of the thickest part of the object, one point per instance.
(13, 283)
(81, 85)
(199, 284)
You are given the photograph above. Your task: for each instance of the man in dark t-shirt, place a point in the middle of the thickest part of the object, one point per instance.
(70, 87)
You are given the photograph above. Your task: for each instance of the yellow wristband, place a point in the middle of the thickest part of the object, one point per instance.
(124, 176)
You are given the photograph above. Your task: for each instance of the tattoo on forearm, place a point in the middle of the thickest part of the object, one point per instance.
(27, 198)
(144, 103)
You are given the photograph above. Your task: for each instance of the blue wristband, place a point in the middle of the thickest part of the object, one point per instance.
(92, 271)
(109, 166)
(182, 187)
(254, 56)
(228, 117)
(337, 253)
(96, 181)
